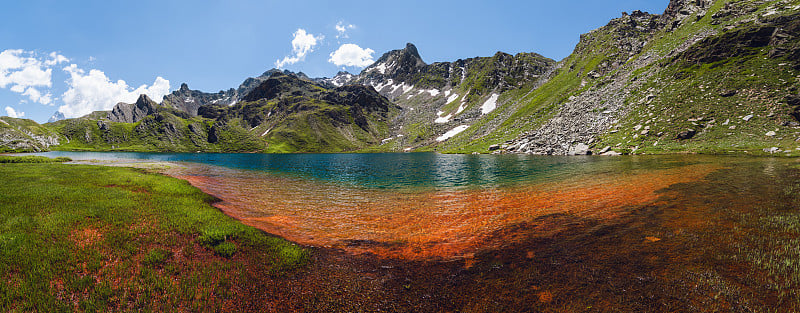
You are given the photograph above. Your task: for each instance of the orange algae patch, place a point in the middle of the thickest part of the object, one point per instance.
(450, 224)
(652, 239)
(85, 237)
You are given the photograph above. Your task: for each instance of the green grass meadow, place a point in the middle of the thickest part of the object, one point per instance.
(97, 239)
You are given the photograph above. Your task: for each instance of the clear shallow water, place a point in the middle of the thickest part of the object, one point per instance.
(419, 205)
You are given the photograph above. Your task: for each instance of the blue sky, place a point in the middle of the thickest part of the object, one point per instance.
(71, 55)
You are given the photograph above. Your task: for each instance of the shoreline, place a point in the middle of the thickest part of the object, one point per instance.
(756, 151)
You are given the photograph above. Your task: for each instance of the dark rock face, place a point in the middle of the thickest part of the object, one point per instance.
(281, 85)
(358, 96)
(687, 134)
(212, 111)
(734, 43)
(774, 32)
(363, 101)
(132, 113)
(190, 101)
(794, 103)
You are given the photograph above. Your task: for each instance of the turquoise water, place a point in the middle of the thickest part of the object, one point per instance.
(408, 170)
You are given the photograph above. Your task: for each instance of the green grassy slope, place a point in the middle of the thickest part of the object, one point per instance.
(24, 135)
(99, 239)
(163, 131)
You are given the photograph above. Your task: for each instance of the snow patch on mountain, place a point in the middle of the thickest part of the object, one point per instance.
(451, 133)
(490, 104)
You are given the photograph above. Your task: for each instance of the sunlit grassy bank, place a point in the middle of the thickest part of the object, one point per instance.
(92, 238)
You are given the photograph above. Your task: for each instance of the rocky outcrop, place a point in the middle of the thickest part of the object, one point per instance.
(678, 11)
(777, 33)
(342, 78)
(133, 112)
(190, 101)
(23, 135)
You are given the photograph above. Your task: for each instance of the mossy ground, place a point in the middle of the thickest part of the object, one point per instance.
(98, 239)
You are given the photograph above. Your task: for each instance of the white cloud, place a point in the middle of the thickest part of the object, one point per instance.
(94, 91)
(55, 59)
(17, 88)
(341, 29)
(10, 112)
(24, 72)
(36, 96)
(302, 44)
(352, 55)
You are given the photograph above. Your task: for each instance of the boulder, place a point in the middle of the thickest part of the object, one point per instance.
(579, 149)
(687, 134)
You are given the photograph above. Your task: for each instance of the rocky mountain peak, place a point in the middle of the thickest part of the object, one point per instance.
(396, 62)
(184, 87)
(678, 10)
(56, 117)
(411, 50)
(342, 78)
(133, 112)
(279, 84)
(145, 101)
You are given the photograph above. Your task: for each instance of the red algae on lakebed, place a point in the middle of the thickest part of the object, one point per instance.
(439, 224)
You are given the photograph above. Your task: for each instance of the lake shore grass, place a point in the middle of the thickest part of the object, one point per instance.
(98, 239)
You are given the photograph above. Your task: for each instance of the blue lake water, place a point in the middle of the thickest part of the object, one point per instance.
(409, 170)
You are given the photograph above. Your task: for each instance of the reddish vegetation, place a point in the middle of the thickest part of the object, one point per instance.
(85, 237)
(417, 226)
